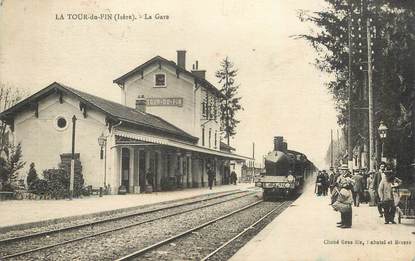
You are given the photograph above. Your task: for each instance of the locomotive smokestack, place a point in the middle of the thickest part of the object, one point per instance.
(278, 143)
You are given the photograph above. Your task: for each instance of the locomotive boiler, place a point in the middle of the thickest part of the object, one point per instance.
(285, 171)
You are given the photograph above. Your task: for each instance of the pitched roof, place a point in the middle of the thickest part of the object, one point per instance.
(158, 59)
(111, 109)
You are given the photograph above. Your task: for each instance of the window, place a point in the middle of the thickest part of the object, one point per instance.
(210, 136)
(204, 109)
(61, 123)
(203, 136)
(204, 105)
(160, 80)
(216, 139)
(211, 109)
(210, 106)
(215, 111)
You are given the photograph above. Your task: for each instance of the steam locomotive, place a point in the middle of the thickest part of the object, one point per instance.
(285, 171)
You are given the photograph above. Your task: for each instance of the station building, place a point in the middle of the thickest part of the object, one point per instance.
(168, 123)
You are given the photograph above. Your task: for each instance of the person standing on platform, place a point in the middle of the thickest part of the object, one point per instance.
(386, 196)
(234, 178)
(326, 183)
(339, 176)
(344, 203)
(370, 189)
(377, 178)
(332, 180)
(319, 183)
(211, 176)
(150, 177)
(365, 193)
(178, 175)
(357, 188)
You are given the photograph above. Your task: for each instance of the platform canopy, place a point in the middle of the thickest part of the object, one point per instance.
(138, 139)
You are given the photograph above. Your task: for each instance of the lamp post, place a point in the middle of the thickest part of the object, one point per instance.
(102, 142)
(383, 130)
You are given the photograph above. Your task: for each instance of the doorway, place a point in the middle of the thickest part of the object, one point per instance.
(142, 170)
(125, 168)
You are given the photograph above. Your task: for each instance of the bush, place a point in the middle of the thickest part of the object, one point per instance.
(58, 183)
(40, 187)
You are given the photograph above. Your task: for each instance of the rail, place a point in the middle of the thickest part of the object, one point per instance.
(122, 227)
(280, 207)
(158, 244)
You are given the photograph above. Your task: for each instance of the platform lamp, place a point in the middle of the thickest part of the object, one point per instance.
(102, 142)
(383, 131)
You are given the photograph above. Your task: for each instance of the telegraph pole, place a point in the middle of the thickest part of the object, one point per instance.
(349, 93)
(370, 92)
(331, 148)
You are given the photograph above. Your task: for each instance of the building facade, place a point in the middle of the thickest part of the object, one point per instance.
(171, 92)
(164, 134)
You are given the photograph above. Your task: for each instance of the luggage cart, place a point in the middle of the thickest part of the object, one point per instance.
(406, 206)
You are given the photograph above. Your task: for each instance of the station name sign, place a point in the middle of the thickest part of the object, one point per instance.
(165, 102)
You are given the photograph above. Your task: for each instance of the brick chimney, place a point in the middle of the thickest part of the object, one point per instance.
(197, 72)
(181, 59)
(141, 103)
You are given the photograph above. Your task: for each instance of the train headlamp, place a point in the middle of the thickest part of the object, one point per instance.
(287, 185)
(290, 178)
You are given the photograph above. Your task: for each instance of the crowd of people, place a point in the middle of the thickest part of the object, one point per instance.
(378, 188)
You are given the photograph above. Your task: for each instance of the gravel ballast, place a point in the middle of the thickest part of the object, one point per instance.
(115, 244)
(16, 231)
(202, 242)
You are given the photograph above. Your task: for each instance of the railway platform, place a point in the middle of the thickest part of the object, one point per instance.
(307, 231)
(15, 213)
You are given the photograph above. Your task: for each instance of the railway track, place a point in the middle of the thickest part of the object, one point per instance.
(19, 240)
(141, 253)
(276, 210)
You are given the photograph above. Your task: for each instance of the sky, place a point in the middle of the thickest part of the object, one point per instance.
(283, 94)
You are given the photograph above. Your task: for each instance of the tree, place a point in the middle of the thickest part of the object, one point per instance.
(32, 176)
(10, 166)
(393, 48)
(9, 96)
(230, 103)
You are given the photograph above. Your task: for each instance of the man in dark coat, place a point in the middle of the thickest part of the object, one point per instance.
(211, 176)
(332, 180)
(234, 178)
(319, 183)
(326, 183)
(357, 188)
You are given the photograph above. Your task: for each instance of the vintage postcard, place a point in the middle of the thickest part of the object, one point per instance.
(207, 130)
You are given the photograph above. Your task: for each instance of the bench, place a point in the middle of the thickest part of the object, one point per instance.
(6, 195)
(95, 191)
